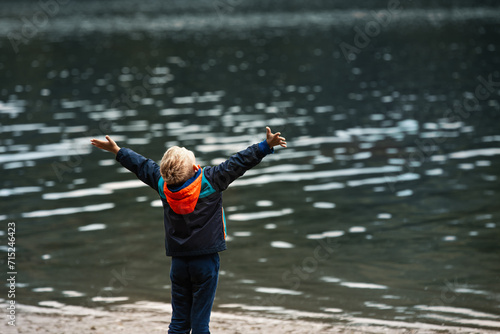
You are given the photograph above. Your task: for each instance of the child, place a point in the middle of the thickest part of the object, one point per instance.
(195, 227)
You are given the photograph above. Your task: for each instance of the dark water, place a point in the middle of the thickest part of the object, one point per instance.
(385, 206)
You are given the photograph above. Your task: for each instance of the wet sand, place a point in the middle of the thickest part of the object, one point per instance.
(154, 318)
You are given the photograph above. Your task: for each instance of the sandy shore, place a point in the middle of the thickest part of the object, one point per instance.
(146, 318)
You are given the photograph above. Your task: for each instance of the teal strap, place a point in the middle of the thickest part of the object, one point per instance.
(206, 187)
(161, 183)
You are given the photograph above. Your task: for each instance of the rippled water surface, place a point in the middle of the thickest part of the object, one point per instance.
(385, 205)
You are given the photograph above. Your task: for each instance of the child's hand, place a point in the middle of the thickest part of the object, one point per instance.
(275, 139)
(108, 145)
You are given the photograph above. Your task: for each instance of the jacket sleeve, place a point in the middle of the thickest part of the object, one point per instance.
(145, 169)
(221, 176)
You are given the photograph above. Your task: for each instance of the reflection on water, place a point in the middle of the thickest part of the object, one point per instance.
(383, 210)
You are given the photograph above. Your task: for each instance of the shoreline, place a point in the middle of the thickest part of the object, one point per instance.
(146, 317)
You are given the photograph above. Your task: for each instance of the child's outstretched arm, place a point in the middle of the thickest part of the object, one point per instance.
(225, 173)
(107, 145)
(146, 169)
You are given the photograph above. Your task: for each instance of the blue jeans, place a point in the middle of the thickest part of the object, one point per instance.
(194, 281)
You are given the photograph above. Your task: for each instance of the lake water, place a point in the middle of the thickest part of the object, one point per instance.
(384, 207)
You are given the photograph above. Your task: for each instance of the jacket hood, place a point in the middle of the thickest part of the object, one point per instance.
(184, 200)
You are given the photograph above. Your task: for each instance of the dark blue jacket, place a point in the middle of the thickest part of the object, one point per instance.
(202, 231)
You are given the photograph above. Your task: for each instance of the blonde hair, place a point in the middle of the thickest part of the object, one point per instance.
(176, 166)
